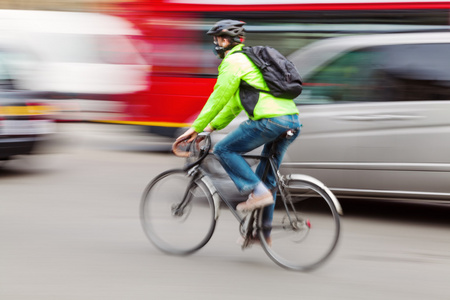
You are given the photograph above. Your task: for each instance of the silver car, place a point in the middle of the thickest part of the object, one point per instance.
(376, 116)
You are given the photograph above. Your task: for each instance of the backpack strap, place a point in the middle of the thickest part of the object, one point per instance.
(245, 84)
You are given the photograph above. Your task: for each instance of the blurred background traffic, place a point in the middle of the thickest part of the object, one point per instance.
(376, 80)
(102, 87)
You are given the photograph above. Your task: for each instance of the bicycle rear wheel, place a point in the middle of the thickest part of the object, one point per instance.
(177, 213)
(305, 228)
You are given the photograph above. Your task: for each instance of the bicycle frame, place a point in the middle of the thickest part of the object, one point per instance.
(217, 196)
(195, 169)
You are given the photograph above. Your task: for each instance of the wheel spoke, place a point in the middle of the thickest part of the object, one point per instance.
(296, 244)
(177, 213)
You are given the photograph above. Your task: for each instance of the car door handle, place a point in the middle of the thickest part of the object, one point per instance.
(381, 117)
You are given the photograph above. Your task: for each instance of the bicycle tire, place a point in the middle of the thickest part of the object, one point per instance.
(171, 228)
(305, 229)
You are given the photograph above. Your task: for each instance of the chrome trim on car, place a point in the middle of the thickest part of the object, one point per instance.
(425, 167)
(392, 195)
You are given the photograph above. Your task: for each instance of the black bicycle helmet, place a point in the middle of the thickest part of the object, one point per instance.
(228, 27)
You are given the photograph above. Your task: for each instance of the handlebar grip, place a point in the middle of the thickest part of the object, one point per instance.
(176, 149)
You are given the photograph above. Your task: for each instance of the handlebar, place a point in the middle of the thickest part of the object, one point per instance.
(194, 151)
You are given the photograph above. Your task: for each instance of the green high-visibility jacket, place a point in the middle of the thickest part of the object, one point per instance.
(228, 99)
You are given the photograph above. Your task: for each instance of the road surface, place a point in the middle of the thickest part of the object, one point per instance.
(70, 230)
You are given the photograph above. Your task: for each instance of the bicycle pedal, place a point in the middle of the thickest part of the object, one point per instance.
(244, 242)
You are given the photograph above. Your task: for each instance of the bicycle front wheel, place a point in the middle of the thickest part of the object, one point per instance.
(177, 213)
(305, 227)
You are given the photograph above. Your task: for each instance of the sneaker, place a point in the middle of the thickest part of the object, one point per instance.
(254, 202)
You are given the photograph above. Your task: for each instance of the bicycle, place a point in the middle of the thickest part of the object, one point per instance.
(180, 207)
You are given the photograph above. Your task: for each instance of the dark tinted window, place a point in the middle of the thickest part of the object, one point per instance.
(384, 73)
(416, 72)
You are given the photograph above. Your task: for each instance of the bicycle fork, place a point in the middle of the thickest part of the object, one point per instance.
(178, 209)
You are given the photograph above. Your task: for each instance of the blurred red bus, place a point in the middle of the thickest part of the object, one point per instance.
(184, 69)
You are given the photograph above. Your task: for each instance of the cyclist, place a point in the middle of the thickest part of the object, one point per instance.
(269, 117)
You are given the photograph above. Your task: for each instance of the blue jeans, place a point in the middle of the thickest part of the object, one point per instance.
(247, 137)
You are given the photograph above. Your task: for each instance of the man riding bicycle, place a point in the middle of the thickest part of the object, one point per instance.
(268, 118)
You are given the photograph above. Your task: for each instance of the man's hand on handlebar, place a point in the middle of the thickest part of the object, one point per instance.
(188, 136)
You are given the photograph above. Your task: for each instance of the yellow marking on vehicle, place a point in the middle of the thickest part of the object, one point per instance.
(26, 110)
(143, 123)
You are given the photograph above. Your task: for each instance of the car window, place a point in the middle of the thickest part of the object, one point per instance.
(382, 73)
(345, 79)
(415, 72)
(6, 82)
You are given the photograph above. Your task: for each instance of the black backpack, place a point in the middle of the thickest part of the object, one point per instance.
(280, 74)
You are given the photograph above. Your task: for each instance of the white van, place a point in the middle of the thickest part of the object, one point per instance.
(85, 55)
